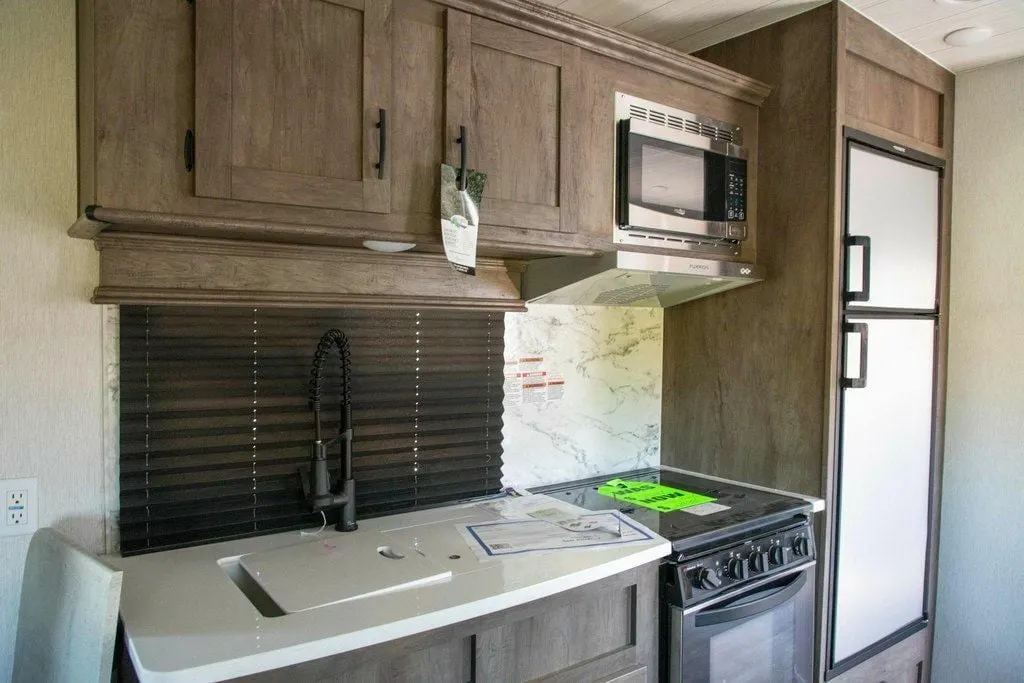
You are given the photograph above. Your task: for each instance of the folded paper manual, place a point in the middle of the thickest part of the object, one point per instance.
(515, 537)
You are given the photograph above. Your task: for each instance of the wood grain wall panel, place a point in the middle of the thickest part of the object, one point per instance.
(892, 101)
(744, 370)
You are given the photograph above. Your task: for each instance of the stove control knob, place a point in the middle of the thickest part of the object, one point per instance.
(778, 555)
(706, 579)
(759, 561)
(738, 569)
(801, 546)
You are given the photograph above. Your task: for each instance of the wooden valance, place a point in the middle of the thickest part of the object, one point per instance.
(139, 268)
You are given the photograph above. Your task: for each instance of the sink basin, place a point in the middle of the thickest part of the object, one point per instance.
(330, 570)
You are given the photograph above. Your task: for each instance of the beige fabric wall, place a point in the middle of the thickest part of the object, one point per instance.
(51, 375)
(979, 634)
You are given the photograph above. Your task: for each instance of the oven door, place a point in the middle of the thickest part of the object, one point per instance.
(762, 634)
(679, 183)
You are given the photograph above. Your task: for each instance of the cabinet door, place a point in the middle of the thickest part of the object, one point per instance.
(885, 469)
(289, 96)
(512, 90)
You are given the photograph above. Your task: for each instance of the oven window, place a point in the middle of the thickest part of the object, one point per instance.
(672, 178)
(756, 651)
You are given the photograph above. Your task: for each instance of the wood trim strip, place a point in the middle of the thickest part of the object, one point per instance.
(152, 224)
(895, 136)
(457, 88)
(214, 34)
(554, 23)
(169, 244)
(86, 33)
(571, 84)
(377, 31)
(201, 297)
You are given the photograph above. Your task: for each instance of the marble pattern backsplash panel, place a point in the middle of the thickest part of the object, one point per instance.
(582, 392)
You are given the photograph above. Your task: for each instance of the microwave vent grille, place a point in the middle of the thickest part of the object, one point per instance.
(722, 132)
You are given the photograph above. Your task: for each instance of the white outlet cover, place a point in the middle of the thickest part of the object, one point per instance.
(20, 499)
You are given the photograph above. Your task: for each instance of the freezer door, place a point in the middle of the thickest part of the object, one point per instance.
(884, 481)
(892, 228)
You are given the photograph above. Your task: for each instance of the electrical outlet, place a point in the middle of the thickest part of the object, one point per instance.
(20, 506)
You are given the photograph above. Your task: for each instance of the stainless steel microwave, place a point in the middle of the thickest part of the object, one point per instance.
(681, 179)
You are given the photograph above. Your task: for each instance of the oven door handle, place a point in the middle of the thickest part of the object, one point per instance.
(749, 609)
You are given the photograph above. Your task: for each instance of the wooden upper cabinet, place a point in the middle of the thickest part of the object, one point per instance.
(513, 91)
(288, 102)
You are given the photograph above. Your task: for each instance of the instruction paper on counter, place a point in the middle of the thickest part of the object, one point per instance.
(541, 525)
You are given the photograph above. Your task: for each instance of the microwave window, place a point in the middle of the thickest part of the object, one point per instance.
(672, 178)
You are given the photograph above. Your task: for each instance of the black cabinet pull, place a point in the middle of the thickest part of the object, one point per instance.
(190, 150)
(861, 380)
(382, 127)
(865, 288)
(463, 177)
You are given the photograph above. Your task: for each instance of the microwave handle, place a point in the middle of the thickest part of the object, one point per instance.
(864, 242)
(724, 615)
(622, 174)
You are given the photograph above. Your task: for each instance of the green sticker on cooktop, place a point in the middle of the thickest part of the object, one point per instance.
(652, 496)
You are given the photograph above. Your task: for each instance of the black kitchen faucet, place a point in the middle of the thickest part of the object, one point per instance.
(316, 485)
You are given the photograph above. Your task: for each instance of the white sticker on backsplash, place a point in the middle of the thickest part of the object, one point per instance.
(582, 392)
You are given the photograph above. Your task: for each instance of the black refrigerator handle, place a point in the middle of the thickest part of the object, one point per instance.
(861, 380)
(864, 242)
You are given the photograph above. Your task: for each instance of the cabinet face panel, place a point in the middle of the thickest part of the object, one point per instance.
(288, 94)
(557, 640)
(511, 89)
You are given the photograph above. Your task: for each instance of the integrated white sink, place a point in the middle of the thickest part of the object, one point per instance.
(330, 570)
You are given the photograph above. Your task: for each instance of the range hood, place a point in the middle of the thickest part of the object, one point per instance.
(631, 278)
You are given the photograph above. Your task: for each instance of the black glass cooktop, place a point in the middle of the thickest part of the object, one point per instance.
(749, 510)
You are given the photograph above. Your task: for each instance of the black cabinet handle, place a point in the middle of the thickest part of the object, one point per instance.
(861, 380)
(865, 289)
(190, 150)
(463, 177)
(382, 127)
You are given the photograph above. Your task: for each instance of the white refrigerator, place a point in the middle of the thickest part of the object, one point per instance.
(887, 401)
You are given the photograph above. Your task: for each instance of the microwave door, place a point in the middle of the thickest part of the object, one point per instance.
(666, 187)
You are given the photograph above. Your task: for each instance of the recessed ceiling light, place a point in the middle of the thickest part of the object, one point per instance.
(968, 36)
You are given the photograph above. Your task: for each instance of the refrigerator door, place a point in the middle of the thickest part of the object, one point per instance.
(884, 481)
(892, 227)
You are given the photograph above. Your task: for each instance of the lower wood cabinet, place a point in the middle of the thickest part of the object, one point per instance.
(905, 662)
(604, 632)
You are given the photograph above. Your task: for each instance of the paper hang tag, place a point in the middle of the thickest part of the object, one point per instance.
(460, 217)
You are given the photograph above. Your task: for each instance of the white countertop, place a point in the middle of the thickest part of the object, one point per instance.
(185, 619)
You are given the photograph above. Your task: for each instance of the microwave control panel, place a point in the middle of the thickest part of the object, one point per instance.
(736, 190)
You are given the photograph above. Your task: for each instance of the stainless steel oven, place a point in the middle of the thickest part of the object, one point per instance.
(681, 179)
(743, 614)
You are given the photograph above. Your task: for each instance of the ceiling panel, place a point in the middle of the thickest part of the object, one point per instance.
(690, 25)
